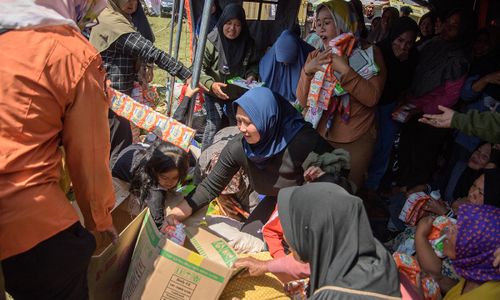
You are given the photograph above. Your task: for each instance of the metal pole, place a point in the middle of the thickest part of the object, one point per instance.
(198, 59)
(176, 54)
(170, 79)
(172, 27)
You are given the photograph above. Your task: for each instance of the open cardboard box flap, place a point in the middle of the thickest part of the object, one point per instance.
(161, 269)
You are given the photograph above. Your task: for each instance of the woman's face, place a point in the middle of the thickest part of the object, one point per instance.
(476, 191)
(245, 125)
(449, 243)
(387, 19)
(232, 29)
(402, 45)
(129, 7)
(480, 157)
(450, 28)
(168, 180)
(426, 27)
(325, 26)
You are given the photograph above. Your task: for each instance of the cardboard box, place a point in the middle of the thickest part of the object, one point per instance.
(110, 262)
(163, 270)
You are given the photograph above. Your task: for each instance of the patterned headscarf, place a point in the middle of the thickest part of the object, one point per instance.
(344, 15)
(477, 239)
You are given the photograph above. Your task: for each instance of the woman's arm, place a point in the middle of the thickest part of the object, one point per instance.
(136, 45)
(305, 80)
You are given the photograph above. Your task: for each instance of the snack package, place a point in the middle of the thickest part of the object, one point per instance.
(412, 210)
(436, 236)
(145, 117)
(175, 233)
(408, 265)
(297, 289)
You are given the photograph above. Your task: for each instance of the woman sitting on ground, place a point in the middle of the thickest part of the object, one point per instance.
(328, 228)
(470, 245)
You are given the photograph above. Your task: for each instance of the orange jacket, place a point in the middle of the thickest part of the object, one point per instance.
(52, 94)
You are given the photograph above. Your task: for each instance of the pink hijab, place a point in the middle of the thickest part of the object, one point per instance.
(21, 14)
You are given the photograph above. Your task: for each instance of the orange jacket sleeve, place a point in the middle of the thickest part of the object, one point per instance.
(87, 144)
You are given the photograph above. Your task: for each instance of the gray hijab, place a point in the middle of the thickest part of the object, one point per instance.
(329, 229)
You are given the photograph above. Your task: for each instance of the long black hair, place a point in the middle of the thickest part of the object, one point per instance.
(159, 158)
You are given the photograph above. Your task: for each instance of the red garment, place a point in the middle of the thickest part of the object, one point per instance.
(273, 235)
(446, 95)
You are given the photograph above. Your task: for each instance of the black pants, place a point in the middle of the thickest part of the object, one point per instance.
(120, 134)
(419, 147)
(259, 217)
(54, 269)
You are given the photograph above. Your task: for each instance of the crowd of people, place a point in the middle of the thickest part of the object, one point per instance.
(397, 123)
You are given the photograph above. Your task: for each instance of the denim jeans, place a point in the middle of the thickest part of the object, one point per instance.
(387, 130)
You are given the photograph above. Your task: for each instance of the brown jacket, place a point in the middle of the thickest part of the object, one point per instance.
(365, 95)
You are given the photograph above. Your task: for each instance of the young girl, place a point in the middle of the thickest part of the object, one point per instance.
(152, 172)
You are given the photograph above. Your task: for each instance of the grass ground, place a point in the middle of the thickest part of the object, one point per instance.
(161, 29)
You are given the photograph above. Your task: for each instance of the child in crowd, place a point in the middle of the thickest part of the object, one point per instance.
(152, 172)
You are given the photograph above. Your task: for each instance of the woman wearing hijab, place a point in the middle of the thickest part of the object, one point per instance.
(400, 59)
(281, 65)
(349, 120)
(331, 232)
(470, 245)
(438, 79)
(229, 52)
(274, 143)
(55, 96)
(122, 48)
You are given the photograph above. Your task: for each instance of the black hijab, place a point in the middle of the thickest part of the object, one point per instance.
(399, 73)
(231, 52)
(329, 229)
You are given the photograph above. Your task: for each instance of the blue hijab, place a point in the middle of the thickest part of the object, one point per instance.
(277, 122)
(281, 65)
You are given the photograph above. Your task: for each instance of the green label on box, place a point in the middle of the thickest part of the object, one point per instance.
(182, 262)
(151, 232)
(228, 255)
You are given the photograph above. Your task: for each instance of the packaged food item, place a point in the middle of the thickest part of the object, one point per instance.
(413, 209)
(175, 233)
